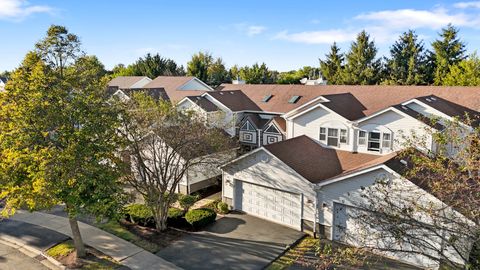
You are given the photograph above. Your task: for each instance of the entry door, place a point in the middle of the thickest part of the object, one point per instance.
(339, 221)
(268, 203)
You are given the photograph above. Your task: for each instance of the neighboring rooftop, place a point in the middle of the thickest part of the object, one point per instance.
(235, 100)
(125, 82)
(451, 109)
(317, 163)
(352, 101)
(173, 85)
(204, 103)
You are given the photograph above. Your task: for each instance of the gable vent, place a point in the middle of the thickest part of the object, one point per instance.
(294, 99)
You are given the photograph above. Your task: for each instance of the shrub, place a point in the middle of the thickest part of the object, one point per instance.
(175, 217)
(199, 218)
(222, 208)
(186, 201)
(139, 214)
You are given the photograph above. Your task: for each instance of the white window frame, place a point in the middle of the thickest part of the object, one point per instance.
(324, 134)
(362, 140)
(325, 131)
(248, 125)
(337, 137)
(383, 143)
(387, 143)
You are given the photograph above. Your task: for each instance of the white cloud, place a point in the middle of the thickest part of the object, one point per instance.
(464, 5)
(253, 30)
(20, 9)
(318, 37)
(412, 18)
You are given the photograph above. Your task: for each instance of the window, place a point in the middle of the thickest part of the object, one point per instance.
(294, 99)
(272, 129)
(374, 141)
(248, 126)
(247, 137)
(323, 134)
(362, 137)
(343, 136)
(272, 139)
(332, 138)
(387, 140)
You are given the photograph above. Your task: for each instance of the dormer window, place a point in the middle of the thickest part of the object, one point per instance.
(247, 126)
(375, 140)
(294, 99)
(272, 129)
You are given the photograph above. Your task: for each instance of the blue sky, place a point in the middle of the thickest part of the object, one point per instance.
(284, 34)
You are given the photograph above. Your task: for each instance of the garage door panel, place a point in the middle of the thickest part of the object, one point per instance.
(272, 204)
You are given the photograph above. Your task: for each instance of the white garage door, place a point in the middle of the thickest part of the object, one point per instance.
(271, 204)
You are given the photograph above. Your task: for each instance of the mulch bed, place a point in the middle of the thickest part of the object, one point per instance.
(162, 239)
(94, 259)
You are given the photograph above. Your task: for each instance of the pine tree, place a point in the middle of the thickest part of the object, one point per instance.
(448, 51)
(332, 67)
(362, 68)
(407, 62)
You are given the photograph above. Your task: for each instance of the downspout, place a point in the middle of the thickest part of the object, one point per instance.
(259, 138)
(315, 216)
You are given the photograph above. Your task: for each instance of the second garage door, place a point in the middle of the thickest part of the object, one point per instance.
(268, 203)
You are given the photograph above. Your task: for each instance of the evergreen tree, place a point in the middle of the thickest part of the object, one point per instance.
(362, 68)
(332, 67)
(448, 51)
(153, 66)
(465, 73)
(407, 62)
(258, 74)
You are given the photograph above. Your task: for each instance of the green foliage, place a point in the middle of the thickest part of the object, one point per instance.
(465, 73)
(332, 67)
(186, 201)
(449, 50)
(223, 208)
(58, 133)
(362, 68)
(61, 250)
(294, 76)
(256, 74)
(407, 62)
(139, 213)
(175, 213)
(208, 69)
(199, 218)
(151, 66)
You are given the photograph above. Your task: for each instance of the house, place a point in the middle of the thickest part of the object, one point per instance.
(301, 184)
(3, 82)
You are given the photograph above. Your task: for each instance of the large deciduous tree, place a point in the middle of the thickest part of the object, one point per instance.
(436, 212)
(294, 76)
(407, 62)
(332, 67)
(58, 134)
(448, 51)
(208, 69)
(166, 144)
(361, 66)
(257, 74)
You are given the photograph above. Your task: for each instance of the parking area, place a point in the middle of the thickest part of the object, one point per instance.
(237, 241)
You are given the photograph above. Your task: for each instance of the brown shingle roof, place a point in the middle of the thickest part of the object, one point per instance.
(204, 103)
(171, 84)
(367, 99)
(316, 163)
(419, 116)
(124, 82)
(235, 100)
(281, 123)
(450, 108)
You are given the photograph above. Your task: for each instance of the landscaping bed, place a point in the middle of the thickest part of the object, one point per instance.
(66, 255)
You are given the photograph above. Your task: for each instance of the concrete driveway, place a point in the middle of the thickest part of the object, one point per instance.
(237, 241)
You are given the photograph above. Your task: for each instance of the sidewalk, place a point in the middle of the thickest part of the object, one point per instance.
(120, 250)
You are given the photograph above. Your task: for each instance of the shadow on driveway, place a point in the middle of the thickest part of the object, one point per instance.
(237, 241)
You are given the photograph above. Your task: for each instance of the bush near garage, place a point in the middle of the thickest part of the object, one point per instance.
(223, 208)
(176, 218)
(199, 218)
(139, 214)
(186, 201)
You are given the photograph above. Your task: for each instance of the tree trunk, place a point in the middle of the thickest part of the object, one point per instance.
(77, 237)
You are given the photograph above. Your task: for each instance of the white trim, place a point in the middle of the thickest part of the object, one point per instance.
(450, 118)
(197, 80)
(337, 179)
(221, 104)
(319, 105)
(292, 112)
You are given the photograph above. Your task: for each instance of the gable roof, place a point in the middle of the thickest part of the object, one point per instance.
(418, 116)
(204, 103)
(316, 163)
(255, 119)
(171, 84)
(451, 109)
(367, 99)
(124, 82)
(280, 123)
(235, 100)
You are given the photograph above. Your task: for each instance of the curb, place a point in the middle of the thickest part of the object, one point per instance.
(32, 252)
